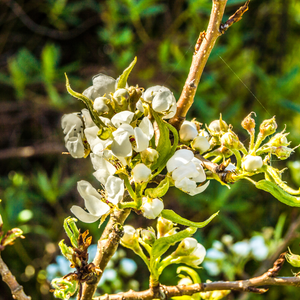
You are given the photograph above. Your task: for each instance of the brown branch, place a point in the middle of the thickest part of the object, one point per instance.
(16, 289)
(250, 285)
(198, 63)
(203, 48)
(107, 246)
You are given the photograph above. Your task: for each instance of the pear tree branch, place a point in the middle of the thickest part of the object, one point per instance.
(203, 48)
(107, 246)
(16, 289)
(269, 278)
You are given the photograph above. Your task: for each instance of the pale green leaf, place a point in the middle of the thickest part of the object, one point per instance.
(172, 216)
(160, 190)
(123, 78)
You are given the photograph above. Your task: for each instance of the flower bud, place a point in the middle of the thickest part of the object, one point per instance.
(188, 131)
(186, 247)
(1, 222)
(163, 227)
(149, 156)
(130, 237)
(249, 124)
(198, 255)
(121, 96)
(185, 281)
(217, 126)
(278, 140)
(252, 163)
(293, 259)
(200, 143)
(100, 105)
(230, 140)
(64, 287)
(268, 127)
(141, 173)
(148, 236)
(283, 152)
(152, 208)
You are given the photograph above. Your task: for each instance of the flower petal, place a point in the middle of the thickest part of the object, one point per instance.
(82, 215)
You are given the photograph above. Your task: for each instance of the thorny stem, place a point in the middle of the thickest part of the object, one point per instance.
(107, 246)
(16, 289)
(198, 63)
(250, 285)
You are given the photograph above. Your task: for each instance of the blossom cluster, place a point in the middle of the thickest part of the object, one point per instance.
(116, 131)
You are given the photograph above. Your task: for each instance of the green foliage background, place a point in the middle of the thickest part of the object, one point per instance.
(254, 67)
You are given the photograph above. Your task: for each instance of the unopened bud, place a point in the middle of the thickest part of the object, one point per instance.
(252, 163)
(163, 226)
(249, 123)
(231, 140)
(64, 287)
(121, 96)
(148, 236)
(1, 222)
(149, 156)
(66, 251)
(278, 140)
(217, 126)
(130, 237)
(200, 143)
(141, 173)
(152, 208)
(283, 152)
(188, 131)
(293, 259)
(186, 247)
(268, 127)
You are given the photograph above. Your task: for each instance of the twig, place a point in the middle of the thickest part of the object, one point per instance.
(16, 289)
(107, 246)
(198, 63)
(203, 50)
(250, 285)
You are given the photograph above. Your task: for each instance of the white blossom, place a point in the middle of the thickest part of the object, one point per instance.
(162, 100)
(152, 208)
(100, 105)
(241, 248)
(252, 163)
(258, 247)
(93, 202)
(200, 143)
(126, 138)
(186, 172)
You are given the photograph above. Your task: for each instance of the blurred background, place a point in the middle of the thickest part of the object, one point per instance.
(253, 67)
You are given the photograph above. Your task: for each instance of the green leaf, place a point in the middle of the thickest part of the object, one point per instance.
(160, 190)
(164, 147)
(278, 193)
(172, 216)
(123, 78)
(88, 102)
(163, 244)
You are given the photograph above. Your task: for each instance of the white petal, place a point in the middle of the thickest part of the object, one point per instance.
(186, 185)
(152, 208)
(142, 141)
(188, 131)
(121, 145)
(123, 117)
(180, 157)
(199, 189)
(88, 122)
(115, 189)
(82, 215)
(75, 147)
(147, 128)
(189, 170)
(141, 173)
(71, 121)
(92, 198)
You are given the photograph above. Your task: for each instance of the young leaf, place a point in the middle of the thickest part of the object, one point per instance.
(172, 216)
(160, 190)
(278, 193)
(123, 78)
(163, 244)
(164, 147)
